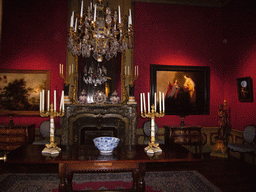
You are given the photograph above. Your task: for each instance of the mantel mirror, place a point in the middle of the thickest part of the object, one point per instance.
(89, 69)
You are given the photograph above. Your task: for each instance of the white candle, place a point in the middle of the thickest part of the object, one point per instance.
(141, 107)
(155, 101)
(43, 101)
(137, 70)
(72, 20)
(60, 68)
(163, 103)
(160, 103)
(40, 104)
(130, 18)
(75, 25)
(144, 103)
(119, 14)
(82, 7)
(63, 101)
(48, 100)
(95, 10)
(54, 100)
(69, 69)
(148, 102)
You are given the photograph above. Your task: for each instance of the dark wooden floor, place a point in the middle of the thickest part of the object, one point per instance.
(227, 174)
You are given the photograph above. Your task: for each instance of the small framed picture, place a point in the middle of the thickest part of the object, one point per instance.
(244, 89)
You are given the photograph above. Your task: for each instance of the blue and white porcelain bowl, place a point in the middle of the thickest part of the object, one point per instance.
(106, 145)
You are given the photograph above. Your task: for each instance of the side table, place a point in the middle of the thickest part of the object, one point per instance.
(185, 135)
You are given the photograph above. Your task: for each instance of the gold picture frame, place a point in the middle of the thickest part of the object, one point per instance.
(20, 90)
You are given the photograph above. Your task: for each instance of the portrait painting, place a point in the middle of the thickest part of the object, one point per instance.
(185, 88)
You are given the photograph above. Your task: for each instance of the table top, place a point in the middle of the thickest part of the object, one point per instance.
(32, 154)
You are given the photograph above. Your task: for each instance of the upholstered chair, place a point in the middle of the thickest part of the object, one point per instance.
(248, 144)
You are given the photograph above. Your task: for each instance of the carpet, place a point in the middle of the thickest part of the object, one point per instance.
(175, 181)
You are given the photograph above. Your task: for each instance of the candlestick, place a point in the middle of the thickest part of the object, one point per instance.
(152, 147)
(52, 147)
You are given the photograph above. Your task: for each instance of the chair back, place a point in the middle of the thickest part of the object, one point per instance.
(249, 133)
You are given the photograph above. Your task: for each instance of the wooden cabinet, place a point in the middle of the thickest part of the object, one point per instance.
(185, 135)
(11, 138)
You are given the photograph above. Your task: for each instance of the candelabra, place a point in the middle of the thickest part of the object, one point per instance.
(152, 147)
(131, 78)
(52, 147)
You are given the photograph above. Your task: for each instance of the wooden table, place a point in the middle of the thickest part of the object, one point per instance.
(87, 159)
(185, 135)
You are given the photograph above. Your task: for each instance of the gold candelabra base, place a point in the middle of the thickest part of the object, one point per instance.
(153, 148)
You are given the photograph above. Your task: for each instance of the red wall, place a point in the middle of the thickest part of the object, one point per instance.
(180, 35)
(34, 38)
(240, 59)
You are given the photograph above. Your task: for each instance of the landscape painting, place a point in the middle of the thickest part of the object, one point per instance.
(20, 91)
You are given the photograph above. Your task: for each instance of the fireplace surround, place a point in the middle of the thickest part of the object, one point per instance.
(82, 123)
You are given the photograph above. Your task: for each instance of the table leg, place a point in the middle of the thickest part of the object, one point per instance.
(141, 175)
(69, 181)
(62, 175)
(135, 173)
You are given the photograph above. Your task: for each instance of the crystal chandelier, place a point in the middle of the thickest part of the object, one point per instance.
(95, 76)
(99, 32)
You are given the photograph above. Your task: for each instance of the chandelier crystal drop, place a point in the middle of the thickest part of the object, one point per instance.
(99, 32)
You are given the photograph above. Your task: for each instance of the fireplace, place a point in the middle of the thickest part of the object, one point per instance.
(82, 123)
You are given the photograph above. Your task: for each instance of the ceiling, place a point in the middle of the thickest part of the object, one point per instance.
(206, 3)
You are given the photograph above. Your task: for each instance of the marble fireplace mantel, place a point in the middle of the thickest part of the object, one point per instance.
(121, 117)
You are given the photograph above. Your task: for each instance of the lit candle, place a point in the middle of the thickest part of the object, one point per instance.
(48, 101)
(163, 103)
(148, 103)
(144, 103)
(82, 7)
(141, 107)
(54, 100)
(119, 14)
(95, 10)
(155, 101)
(160, 103)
